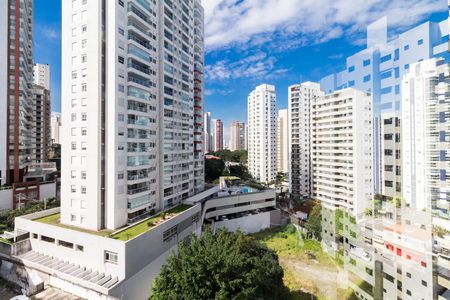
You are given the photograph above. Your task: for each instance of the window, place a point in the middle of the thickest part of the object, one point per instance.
(84, 87)
(408, 275)
(84, 58)
(111, 257)
(170, 234)
(73, 218)
(83, 131)
(121, 60)
(351, 69)
(351, 83)
(121, 31)
(79, 248)
(386, 58)
(73, 117)
(74, 75)
(406, 67)
(120, 176)
(73, 189)
(83, 44)
(420, 42)
(406, 48)
(82, 219)
(83, 175)
(84, 117)
(84, 29)
(83, 204)
(65, 244)
(367, 78)
(83, 146)
(424, 283)
(72, 174)
(366, 62)
(74, 146)
(83, 190)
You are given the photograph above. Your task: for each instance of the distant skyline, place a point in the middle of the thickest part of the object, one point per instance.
(240, 48)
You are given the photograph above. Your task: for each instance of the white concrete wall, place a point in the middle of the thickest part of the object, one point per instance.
(46, 191)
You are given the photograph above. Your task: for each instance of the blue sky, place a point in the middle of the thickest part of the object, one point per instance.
(250, 42)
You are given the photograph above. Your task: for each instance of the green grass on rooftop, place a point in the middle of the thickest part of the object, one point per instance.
(147, 224)
(55, 220)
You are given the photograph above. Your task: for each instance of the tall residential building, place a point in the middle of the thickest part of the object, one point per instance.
(391, 180)
(262, 141)
(16, 89)
(301, 98)
(42, 75)
(208, 132)
(282, 141)
(380, 67)
(41, 120)
(341, 140)
(132, 109)
(55, 125)
(237, 136)
(426, 137)
(217, 136)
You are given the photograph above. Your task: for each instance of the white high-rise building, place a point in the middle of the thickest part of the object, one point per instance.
(42, 75)
(55, 124)
(208, 132)
(341, 126)
(425, 137)
(237, 136)
(262, 141)
(132, 109)
(301, 98)
(282, 141)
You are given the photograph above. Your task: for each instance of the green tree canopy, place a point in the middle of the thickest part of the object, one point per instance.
(220, 266)
(314, 223)
(213, 169)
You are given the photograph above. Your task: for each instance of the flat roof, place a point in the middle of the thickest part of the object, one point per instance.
(147, 224)
(55, 219)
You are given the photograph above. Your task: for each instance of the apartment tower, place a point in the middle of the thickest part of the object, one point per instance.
(425, 137)
(208, 132)
(341, 139)
(16, 89)
(237, 136)
(262, 146)
(217, 135)
(132, 111)
(301, 98)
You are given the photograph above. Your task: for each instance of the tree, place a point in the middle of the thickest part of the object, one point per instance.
(220, 266)
(314, 223)
(213, 169)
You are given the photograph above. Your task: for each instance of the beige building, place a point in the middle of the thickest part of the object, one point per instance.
(282, 141)
(237, 136)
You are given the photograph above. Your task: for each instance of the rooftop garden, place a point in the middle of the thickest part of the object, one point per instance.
(143, 226)
(55, 220)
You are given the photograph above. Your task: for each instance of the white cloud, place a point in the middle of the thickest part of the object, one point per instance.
(257, 65)
(297, 22)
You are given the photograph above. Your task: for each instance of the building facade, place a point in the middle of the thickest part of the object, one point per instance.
(341, 139)
(301, 98)
(42, 127)
(282, 141)
(55, 124)
(16, 89)
(380, 67)
(42, 75)
(262, 148)
(426, 136)
(237, 136)
(208, 132)
(137, 144)
(217, 135)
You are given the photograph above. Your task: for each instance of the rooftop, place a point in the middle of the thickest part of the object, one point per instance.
(147, 224)
(55, 219)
